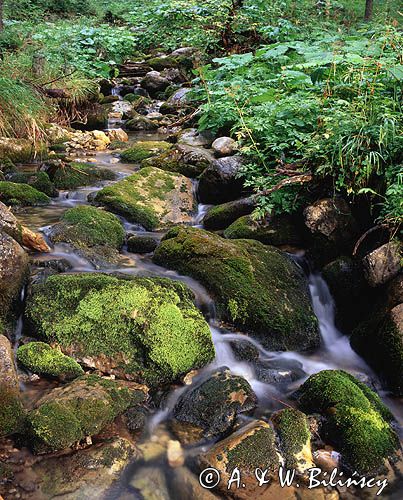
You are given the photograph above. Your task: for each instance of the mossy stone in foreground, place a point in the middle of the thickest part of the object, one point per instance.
(75, 175)
(144, 149)
(150, 197)
(221, 216)
(12, 193)
(257, 288)
(356, 419)
(40, 358)
(12, 413)
(82, 408)
(142, 329)
(38, 180)
(89, 226)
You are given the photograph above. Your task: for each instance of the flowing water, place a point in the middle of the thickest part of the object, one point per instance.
(291, 368)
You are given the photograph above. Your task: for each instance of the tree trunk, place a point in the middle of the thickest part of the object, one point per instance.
(369, 6)
(1, 15)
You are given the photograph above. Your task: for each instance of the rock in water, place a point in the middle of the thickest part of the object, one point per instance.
(257, 288)
(11, 410)
(220, 182)
(144, 149)
(221, 216)
(357, 422)
(142, 329)
(13, 270)
(77, 410)
(251, 447)
(224, 146)
(151, 483)
(191, 137)
(210, 409)
(12, 193)
(85, 474)
(151, 197)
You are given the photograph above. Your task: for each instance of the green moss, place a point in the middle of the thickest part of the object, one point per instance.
(12, 414)
(148, 328)
(293, 430)
(38, 180)
(257, 288)
(82, 408)
(20, 150)
(75, 175)
(160, 63)
(114, 145)
(144, 149)
(21, 194)
(136, 197)
(221, 216)
(255, 451)
(356, 418)
(141, 244)
(277, 231)
(40, 358)
(89, 226)
(185, 160)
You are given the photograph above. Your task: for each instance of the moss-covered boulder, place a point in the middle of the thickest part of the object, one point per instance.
(209, 409)
(88, 473)
(12, 414)
(82, 408)
(74, 175)
(186, 160)
(357, 422)
(251, 447)
(142, 244)
(40, 358)
(38, 180)
(379, 340)
(276, 231)
(221, 216)
(140, 329)
(96, 234)
(151, 197)
(292, 428)
(144, 149)
(257, 288)
(13, 271)
(12, 193)
(19, 150)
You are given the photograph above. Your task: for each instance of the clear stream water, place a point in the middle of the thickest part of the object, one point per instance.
(335, 351)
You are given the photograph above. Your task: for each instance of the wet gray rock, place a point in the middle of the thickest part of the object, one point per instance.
(191, 137)
(154, 82)
(279, 372)
(139, 122)
(142, 244)
(220, 182)
(244, 350)
(224, 146)
(209, 409)
(383, 264)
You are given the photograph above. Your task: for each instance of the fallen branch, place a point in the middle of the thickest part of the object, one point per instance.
(296, 179)
(186, 118)
(362, 238)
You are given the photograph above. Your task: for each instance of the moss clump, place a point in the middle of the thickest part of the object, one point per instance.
(74, 175)
(114, 145)
(89, 226)
(40, 358)
(12, 414)
(148, 329)
(145, 197)
(39, 181)
(293, 430)
(160, 63)
(12, 193)
(276, 231)
(356, 418)
(70, 413)
(144, 149)
(258, 289)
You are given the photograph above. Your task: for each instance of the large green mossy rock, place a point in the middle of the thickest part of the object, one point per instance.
(257, 288)
(38, 180)
(20, 150)
(144, 149)
(82, 408)
(12, 193)
(142, 329)
(96, 234)
(74, 175)
(40, 358)
(277, 231)
(357, 422)
(151, 197)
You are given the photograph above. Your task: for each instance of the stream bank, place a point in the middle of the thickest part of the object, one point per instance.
(156, 441)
